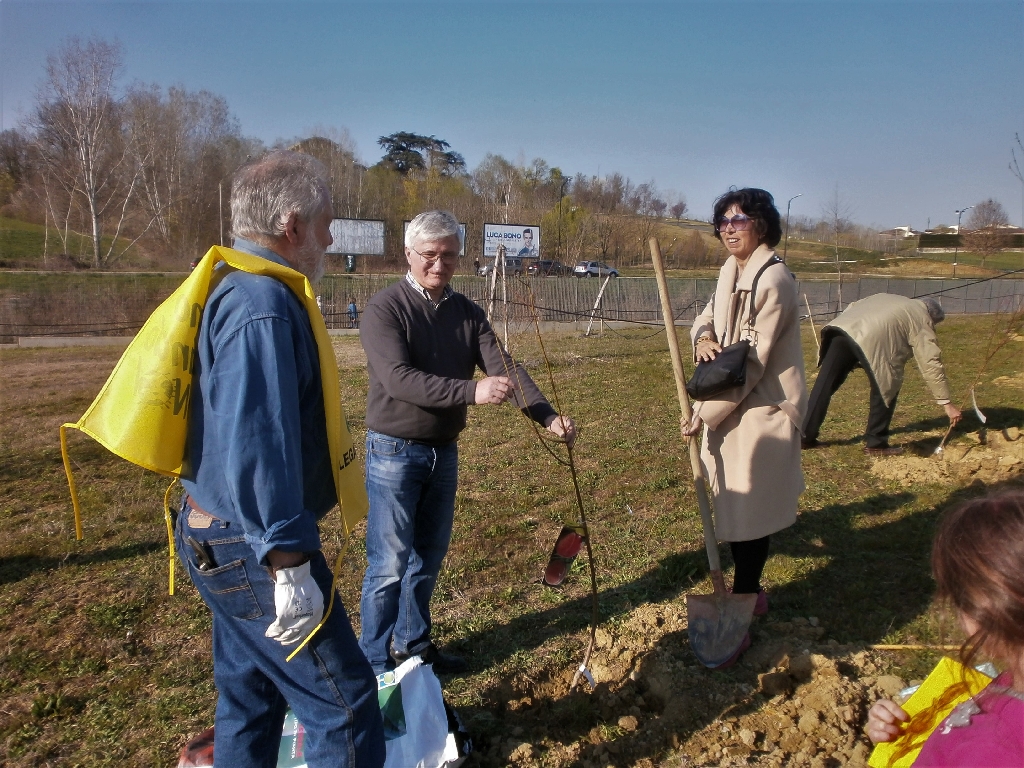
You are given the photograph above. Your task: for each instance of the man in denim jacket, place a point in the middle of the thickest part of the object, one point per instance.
(259, 479)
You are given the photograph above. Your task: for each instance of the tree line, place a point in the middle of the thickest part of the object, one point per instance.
(147, 169)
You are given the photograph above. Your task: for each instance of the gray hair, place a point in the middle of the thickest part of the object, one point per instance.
(934, 310)
(433, 225)
(266, 192)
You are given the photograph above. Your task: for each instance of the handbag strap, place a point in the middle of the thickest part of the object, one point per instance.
(752, 315)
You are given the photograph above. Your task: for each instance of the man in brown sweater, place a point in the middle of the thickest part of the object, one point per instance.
(423, 344)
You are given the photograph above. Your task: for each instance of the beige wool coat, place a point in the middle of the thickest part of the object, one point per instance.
(751, 447)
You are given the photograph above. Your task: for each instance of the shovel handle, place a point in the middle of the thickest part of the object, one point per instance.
(699, 481)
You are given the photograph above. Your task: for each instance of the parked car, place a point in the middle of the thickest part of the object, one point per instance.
(547, 268)
(513, 266)
(594, 269)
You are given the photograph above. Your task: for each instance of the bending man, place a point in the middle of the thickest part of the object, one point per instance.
(879, 334)
(260, 479)
(423, 343)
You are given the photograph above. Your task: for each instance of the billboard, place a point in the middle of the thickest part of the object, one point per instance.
(522, 240)
(359, 237)
(462, 229)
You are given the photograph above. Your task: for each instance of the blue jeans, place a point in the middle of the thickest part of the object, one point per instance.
(328, 685)
(412, 504)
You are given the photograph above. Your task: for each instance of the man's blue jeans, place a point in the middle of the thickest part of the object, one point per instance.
(328, 685)
(412, 504)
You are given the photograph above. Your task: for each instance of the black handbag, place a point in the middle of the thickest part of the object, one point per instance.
(729, 368)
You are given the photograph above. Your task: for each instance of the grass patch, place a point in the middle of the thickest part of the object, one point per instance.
(22, 243)
(101, 667)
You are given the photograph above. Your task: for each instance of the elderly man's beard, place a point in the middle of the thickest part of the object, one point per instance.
(310, 257)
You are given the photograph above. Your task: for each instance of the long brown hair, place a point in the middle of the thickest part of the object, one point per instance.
(978, 565)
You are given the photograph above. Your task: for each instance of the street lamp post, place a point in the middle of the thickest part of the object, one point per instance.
(785, 248)
(956, 246)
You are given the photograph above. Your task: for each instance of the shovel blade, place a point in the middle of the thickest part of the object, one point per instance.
(717, 624)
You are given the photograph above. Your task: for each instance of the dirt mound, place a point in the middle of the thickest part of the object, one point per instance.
(794, 699)
(989, 456)
(1016, 380)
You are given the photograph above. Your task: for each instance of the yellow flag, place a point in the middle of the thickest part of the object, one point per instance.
(946, 674)
(141, 413)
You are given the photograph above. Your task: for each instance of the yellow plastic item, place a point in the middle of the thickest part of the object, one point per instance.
(141, 413)
(946, 674)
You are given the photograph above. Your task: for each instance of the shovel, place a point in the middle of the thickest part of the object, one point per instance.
(716, 623)
(942, 443)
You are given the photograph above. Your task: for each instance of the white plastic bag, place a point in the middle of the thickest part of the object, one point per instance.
(415, 720)
(418, 730)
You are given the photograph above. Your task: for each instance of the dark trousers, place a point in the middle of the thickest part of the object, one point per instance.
(841, 358)
(750, 558)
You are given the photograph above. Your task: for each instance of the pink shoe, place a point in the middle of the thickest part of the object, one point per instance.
(736, 656)
(761, 604)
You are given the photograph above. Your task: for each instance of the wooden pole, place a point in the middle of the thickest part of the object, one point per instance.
(597, 304)
(699, 481)
(810, 316)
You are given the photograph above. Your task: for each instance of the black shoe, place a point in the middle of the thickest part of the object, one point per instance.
(807, 444)
(883, 450)
(443, 663)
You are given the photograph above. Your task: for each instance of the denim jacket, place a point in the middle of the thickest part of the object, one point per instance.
(257, 446)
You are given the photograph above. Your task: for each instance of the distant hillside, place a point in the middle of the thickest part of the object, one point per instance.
(22, 245)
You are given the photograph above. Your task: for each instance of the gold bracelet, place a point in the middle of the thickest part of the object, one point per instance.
(703, 339)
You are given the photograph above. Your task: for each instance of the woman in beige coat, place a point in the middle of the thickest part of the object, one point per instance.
(751, 446)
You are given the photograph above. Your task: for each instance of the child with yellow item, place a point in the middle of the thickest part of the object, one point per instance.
(978, 564)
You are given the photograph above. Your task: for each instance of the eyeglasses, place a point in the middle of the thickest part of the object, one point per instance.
(430, 258)
(740, 222)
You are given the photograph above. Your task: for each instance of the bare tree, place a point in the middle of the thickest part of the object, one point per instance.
(987, 213)
(1015, 169)
(836, 213)
(678, 209)
(336, 149)
(503, 187)
(14, 163)
(178, 154)
(81, 134)
(986, 229)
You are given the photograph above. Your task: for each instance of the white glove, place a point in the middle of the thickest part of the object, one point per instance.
(299, 603)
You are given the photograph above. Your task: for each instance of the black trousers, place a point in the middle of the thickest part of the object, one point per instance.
(750, 558)
(841, 358)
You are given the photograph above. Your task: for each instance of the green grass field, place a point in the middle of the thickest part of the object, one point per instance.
(101, 667)
(22, 245)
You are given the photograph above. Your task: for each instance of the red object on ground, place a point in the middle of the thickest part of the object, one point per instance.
(198, 751)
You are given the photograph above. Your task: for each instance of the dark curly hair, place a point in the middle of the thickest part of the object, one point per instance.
(759, 205)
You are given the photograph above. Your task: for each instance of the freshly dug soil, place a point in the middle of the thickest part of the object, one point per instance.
(989, 456)
(794, 699)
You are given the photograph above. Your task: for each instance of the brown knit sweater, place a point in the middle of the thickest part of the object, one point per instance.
(421, 362)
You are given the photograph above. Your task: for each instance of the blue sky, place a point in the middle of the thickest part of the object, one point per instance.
(909, 107)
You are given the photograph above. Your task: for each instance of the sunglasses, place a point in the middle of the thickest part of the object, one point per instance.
(740, 222)
(567, 547)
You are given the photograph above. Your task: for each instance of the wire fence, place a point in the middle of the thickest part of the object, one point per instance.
(100, 309)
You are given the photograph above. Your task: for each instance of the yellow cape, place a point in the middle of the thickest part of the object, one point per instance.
(141, 413)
